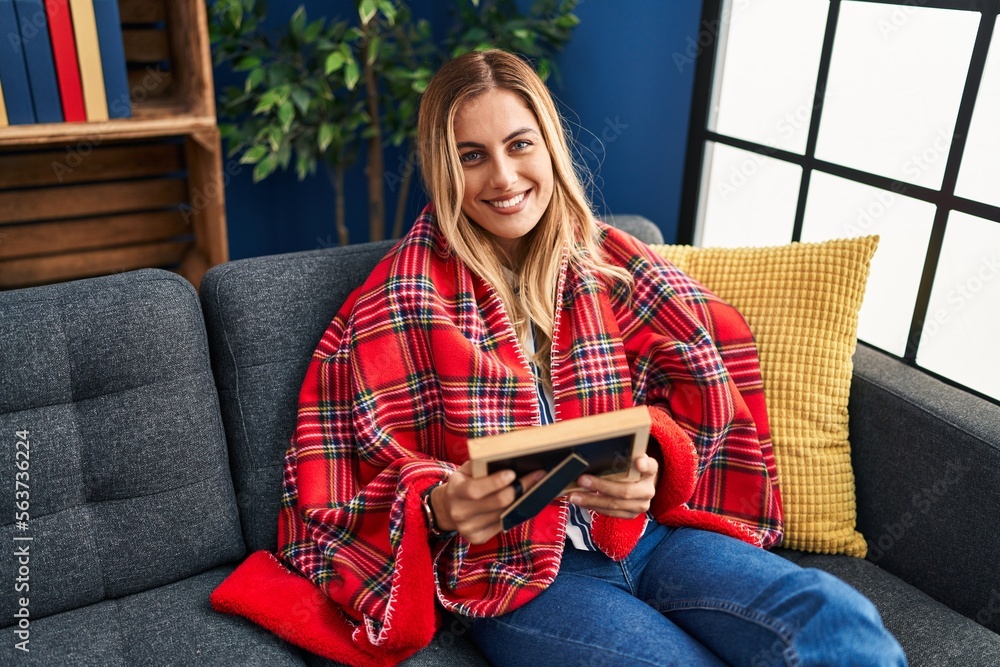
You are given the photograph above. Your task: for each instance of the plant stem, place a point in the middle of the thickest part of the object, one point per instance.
(401, 198)
(336, 175)
(374, 169)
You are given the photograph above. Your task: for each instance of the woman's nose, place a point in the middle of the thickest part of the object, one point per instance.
(504, 173)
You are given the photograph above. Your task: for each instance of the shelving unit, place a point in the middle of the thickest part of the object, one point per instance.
(85, 199)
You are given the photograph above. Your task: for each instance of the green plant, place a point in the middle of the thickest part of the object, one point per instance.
(318, 92)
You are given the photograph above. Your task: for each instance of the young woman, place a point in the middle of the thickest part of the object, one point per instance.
(508, 306)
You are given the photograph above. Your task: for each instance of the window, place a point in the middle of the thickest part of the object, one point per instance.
(821, 119)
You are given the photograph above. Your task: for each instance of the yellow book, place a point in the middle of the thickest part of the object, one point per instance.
(88, 52)
(3, 110)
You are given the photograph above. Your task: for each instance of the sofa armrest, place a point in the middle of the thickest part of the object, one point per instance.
(926, 459)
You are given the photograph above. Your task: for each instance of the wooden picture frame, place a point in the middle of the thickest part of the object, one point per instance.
(610, 442)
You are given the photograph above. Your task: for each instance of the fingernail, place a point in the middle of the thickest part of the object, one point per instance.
(575, 499)
(585, 482)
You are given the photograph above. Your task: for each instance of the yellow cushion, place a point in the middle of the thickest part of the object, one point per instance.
(801, 302)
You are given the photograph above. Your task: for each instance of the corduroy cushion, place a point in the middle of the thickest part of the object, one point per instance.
(801, 302)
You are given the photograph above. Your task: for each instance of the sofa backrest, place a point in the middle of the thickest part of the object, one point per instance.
(265, 316)
(126, 481)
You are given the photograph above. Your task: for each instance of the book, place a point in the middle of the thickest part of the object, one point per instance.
(109, 35)
(88, 53)
(3, 109)
(64, 58)
(13, 71)
(604, 445)
(38, 58)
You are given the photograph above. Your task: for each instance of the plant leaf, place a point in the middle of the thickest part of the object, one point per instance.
(373, 47)
(334, 61)
(388, 11)
(286, 114)
(326, 132)
(264, 168)
(246, 63)
(254, 155)
(254, 79)
(302, 99)
(298, 22)
(367, 11)
(266, 103)
(313, 31)
(567, 21)
(351, 74)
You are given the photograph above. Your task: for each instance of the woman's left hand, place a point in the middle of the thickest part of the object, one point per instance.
(625, 500)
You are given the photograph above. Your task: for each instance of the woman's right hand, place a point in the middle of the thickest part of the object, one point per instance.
(473, 505)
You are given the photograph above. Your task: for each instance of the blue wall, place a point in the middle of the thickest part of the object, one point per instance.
(623, 89)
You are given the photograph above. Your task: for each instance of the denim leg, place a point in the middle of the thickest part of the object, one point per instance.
(754, 608)
(587, 617)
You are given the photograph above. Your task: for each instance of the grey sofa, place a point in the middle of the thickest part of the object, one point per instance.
(155, 432)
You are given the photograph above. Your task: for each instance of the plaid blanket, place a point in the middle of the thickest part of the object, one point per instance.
(423, 357)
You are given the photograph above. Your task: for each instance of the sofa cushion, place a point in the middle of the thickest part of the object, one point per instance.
(801, 301)
(927, 460)
(169, 625)
(930, 633)
(127, 481)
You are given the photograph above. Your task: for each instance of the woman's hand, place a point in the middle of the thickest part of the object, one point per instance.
(472, 505)
(625, 500)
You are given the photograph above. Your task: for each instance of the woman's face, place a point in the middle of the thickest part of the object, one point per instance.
(506, 164)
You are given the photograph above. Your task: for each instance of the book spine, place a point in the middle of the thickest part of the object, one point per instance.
(13, 71)
(88, 51)
(38, 58)
(3, 109)
(109, 34)
(65, 59)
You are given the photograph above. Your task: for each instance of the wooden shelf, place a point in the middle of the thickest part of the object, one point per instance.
(124, 128)
(84, 199)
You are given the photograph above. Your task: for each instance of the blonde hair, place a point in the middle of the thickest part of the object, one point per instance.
(567, 222)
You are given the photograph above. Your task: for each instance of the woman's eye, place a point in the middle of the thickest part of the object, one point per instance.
(521, 144)
(471, 156)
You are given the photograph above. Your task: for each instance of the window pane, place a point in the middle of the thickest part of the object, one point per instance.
(979, 177)
(963, 316)
(896, 80)
(767, 71)
(750, 198)
(838, 208)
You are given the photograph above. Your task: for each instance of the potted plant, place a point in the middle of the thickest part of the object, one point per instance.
(318, 92)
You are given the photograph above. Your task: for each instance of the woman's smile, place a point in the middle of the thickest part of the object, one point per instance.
(512, 205)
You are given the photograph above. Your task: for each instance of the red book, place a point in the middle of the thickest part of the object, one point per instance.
(64, 54)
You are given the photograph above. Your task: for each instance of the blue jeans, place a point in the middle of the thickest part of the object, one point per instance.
(689, 597)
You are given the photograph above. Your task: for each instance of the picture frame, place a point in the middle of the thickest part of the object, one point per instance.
(610, 442)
